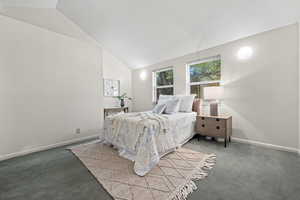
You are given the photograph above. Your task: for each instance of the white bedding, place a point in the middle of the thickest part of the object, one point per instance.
(143, 141)
(182, 126)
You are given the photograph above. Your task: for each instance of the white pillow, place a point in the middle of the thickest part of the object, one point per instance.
(173, 106)
(164, 98)
(159, 108)
(186, 104)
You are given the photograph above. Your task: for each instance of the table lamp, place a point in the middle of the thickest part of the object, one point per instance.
(213, 94)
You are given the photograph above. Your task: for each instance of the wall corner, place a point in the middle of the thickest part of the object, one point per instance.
(298, 86)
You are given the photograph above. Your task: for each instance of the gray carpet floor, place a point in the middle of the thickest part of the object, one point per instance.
(242, 172)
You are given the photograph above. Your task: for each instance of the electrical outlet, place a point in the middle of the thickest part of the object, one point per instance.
(77, 130)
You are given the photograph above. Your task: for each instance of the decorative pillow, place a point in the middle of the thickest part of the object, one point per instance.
(164, 98)
(159, 108)
(173, 106)
(186, 104)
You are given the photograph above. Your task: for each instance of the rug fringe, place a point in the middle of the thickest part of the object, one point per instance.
(199, 173)
(202, 171)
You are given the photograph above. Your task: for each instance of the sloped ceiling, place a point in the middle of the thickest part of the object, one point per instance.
(30, 3)
(144, 32)
(47, 18)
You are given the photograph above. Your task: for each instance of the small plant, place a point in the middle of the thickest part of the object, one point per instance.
(122, 98)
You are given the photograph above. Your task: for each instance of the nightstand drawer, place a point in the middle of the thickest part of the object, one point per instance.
(221, 132)
(211, 130)
(200, 127)
(212, 122)
(208, 120)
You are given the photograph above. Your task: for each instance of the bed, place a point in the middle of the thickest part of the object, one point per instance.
(145, 137)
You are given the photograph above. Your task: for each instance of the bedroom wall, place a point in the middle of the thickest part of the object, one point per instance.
(299, 82)
(54, 20)
(50, 84)
(113, 68)
(260, 93)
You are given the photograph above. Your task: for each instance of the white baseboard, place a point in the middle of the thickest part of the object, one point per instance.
(262, 144)
(43, 148)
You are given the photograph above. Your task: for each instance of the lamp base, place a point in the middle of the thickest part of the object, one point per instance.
(214, 109)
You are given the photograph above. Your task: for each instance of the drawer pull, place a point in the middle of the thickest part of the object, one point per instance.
(217, 120)
(218, 127)
(203, 125)
(202, 118)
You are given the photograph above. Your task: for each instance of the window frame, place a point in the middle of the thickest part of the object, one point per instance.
(154, 82)
(188, 76)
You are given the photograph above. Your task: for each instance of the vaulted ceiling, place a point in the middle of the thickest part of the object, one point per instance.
(29, 3)
(144, 32)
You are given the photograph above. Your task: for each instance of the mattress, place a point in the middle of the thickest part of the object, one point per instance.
(182, 126)
(181, 115)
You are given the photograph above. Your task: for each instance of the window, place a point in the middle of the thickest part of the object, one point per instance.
(204, 73)
(162, 83)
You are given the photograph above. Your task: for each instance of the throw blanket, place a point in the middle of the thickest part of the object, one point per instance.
(141, 137)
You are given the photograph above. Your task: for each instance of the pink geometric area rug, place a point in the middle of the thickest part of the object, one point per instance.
(171, 179)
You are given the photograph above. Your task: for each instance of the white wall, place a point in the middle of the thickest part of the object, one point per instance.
(115, 69)
(299, 82)
(260, 93)
(50, 85)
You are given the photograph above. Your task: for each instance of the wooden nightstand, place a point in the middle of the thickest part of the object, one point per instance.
(215, 126)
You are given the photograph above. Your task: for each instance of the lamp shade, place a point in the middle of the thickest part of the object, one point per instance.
(213, 93)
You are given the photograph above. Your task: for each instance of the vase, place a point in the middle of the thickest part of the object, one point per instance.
(122, 103)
